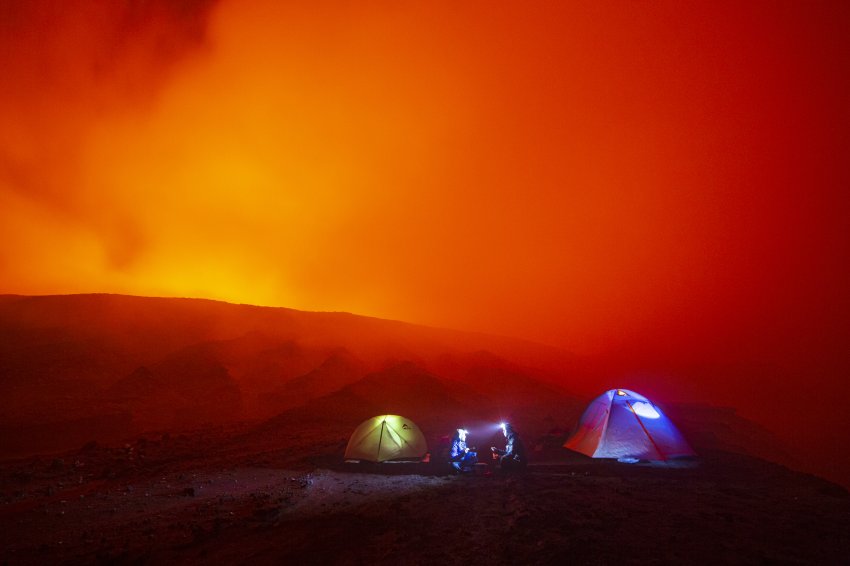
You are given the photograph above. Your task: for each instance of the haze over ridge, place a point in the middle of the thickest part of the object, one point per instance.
(502, 168)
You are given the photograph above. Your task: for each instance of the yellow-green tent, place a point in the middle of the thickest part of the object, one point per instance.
(386, 438)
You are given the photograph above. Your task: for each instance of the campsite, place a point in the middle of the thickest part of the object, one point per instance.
(226, 496)
(498, 283)
(228, 466)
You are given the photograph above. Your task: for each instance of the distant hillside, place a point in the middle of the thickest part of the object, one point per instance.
(136, 364)
(78, 368)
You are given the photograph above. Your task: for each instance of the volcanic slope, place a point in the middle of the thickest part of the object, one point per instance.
(104, 367)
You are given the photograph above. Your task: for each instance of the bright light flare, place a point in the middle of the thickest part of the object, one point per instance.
(644, 409)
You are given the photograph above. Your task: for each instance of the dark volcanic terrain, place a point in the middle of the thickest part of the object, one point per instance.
(162, 430)
(228, 497)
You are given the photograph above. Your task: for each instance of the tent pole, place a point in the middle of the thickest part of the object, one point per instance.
(602, 434)
(380, 439)
(649, 436)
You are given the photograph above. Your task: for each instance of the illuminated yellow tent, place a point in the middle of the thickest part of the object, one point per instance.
(386, 438)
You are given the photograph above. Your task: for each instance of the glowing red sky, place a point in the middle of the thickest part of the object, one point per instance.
(640, 177)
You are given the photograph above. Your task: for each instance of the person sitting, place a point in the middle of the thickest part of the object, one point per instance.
(461, 457)
(514, 456)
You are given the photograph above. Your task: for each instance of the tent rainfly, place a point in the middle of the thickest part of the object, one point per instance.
(624, 424)
(386, 438)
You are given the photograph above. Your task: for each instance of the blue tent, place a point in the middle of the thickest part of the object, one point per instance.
(624, 424)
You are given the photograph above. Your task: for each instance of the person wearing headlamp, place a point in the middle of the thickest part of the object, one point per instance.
(461, 457)
(513, 457)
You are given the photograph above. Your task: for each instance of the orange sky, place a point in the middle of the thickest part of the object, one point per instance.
(599, 176)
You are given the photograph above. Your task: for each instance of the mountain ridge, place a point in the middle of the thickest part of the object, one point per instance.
(75, 368)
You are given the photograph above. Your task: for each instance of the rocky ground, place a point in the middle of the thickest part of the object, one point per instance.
(213, 497)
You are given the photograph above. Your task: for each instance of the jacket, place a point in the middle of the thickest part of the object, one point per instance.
(514, 447)
(458, 450)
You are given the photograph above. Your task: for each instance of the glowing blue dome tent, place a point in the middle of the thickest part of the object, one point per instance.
(624, 424)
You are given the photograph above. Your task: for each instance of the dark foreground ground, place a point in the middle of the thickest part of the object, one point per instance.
(217, 498)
